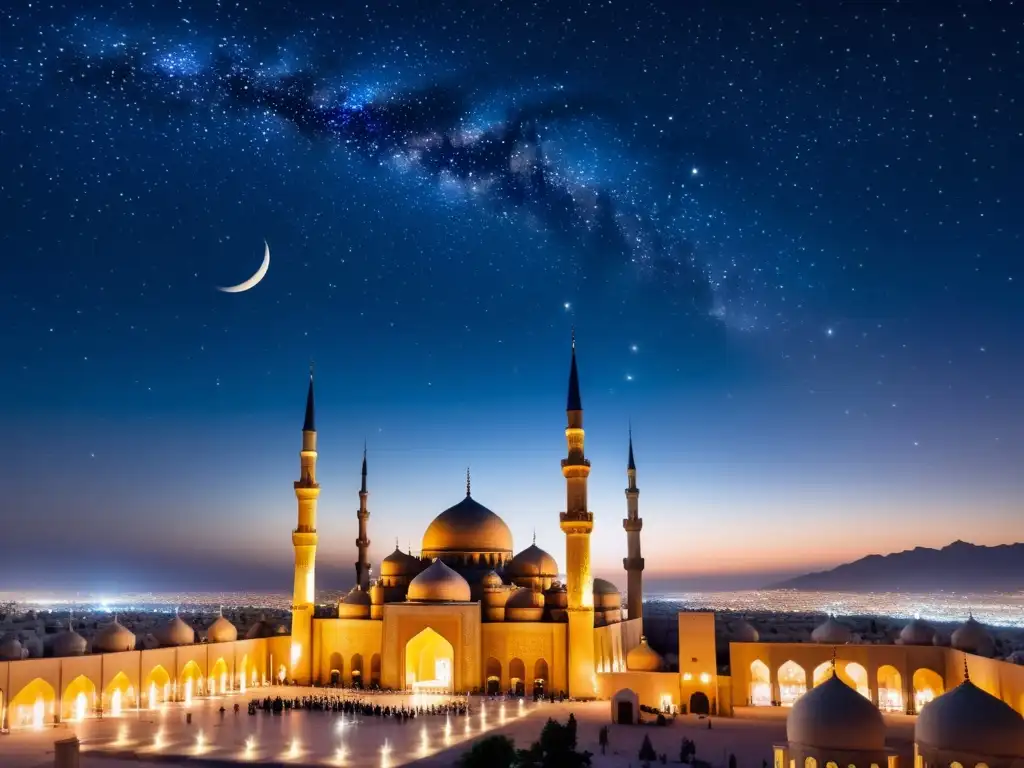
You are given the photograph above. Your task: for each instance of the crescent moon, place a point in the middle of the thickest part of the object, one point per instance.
(252, 281)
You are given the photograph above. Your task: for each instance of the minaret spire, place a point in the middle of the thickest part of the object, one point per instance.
(304, 541)
(363, 541)
(467, 481)
(577, 523)
(632, 524)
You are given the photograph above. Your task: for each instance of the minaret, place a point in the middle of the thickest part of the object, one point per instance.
(633, 562)
(577, 522)
(363, 543)
(307, 490)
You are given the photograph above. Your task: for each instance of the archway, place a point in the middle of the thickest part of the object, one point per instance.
(119, 695)
(375, 671)
(857, 677)
(243, 670)
(357, 671)
(33, 706)
(191, 682)
(337, 668)
(517, 676)
(760, 684)
(890, 689)
(699, 703)
(429, 662)
(927, 685)
(156, 688)
(821, 674)
(492, 676)
(79, 699)
(540, 678)
(625, 707)
(792, 683)
(219, 677)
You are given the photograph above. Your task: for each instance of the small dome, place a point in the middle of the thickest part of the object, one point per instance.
(744, 632)
(832, 632)
(69, 643)
(967, 719)
(491, 580)
(114, 638)
(833, 716)
(438, 584)
(222, 631)
(532, 561)
(355, 605)
(398, 563)
(972, 637)
(525, 598)
(261, 628)
(356, 596)
(917, 632)
(467, 527)
(11, 649)
(643, 658)
(605, 587)
(177, 632)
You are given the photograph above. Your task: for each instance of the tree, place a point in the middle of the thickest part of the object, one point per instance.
(687, 751)
(647, 752)
(492, 752)
(555, 749)
(732, 760)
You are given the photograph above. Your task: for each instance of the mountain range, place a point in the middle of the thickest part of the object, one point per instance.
(959, 567)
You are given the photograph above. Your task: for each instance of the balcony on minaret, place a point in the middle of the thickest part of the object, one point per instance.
(306, 482)
(576, 517)
(633, 563)
(631, 524)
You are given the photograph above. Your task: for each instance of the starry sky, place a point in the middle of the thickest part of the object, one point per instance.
(788, 236)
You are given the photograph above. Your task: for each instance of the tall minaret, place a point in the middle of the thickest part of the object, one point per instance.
(577, 522)
(307, 490)
(363, 543)
(633, 562)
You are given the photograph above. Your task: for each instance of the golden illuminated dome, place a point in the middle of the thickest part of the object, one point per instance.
(532, 561)
(438, 584)
(972, 637)
(606, 595)
(604, 587)
(11, 649)
(468, 527)
(222, 631)
(831, 632)
(355, 605)
(972, 721)
(833, 716)
(524, 605)
(643, 658)
(917, 632)
(69, 643)
(114, 638)
(177, 632)
(491, 580)
(398, 563)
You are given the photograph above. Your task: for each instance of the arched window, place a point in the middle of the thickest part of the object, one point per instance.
(810, 762)
(831, 764)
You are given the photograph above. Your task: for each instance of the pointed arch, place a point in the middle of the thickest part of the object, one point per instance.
(79, 699)
(34, 706)
(821, 673)
(890, 689)
(119, 695)
(375, 670)
(357, 670)
(429, 662)
(337, 669)
(792, 682)
(540, 677)
(760, 684)
(243, 673)
(191, 682)
(219, 678)
(492, 676)
(857, 677)
(156, 687)
(517, 676)
(927, 685)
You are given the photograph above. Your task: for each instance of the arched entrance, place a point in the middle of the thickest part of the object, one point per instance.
(492, 676)
(625, 707)
(119, 695)
(33, 706)
(357, 670)
(792, 683)
(760, 684)
(156, 688)
(337, 668)
(243, 671)
(219, 677)
(699, 703)
(517, 676)
(927, 685)
(821, 674)
(429, 663)
(857, 677)
(375, 671)
(191, 684)
(79, 700)
(890, 689)
(540, 678)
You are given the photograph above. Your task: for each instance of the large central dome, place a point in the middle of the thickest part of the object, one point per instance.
(468, 528)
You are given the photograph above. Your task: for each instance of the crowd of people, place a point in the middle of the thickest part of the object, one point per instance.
(357, 706)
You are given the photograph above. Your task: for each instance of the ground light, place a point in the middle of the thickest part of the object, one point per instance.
(385, 754)
(200, 743)
(341, 755)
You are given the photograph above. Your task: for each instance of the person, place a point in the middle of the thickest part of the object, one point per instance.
(602, 738)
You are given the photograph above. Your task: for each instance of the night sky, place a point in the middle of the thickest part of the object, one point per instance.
(788, 236)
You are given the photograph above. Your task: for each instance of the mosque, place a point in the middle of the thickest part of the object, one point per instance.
(472, 615)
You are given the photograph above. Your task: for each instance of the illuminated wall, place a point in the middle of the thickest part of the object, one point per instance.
(613, 641)
(458, 623)
(698, 666)
(342, 646)
(532, 648)
(654, 689)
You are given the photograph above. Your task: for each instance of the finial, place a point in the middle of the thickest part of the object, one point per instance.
(311, 367)
(396, 545)
(967, 672)
(408, 547)
(833, 660)
(467, 481)
(534, 535)
(574, 337)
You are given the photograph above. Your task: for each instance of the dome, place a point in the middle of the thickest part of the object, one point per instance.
(439, 584)
(831, 632)
(525, 598)
(398, 563)
(114, 638)
(69, 643)
(967, 719)
(11, 649)
(356, 596)
(491, 580)
(532, 561)
(744, 632)
(261, 628)
(604, 587)
(177, 632)
(467, 527)
(643, 658)
(355, 605)
(972, 637)
(222, 631)
(917, 632)
(834, 716)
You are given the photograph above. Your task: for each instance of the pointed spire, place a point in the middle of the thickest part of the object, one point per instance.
(362, 488)
(573, 402)
(632, 464)
(833, 661)
(309, 425)
(467, 482)
(534, 535)
(967, 672)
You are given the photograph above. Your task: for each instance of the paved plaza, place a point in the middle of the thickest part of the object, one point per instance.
(317, 738)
